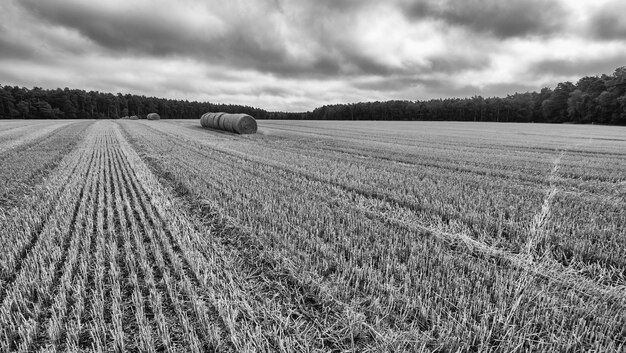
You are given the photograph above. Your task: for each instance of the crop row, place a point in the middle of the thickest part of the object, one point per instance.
(93, 269)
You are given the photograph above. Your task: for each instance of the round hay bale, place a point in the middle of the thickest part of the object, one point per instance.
(238, 123)
(134, 117)
(153, 116)
(217, 122)
(221, 122)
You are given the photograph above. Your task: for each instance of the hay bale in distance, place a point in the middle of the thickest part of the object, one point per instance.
(238, 123)
(134, 117)
(153, 116)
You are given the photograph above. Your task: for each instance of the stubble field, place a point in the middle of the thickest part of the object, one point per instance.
(161, 236)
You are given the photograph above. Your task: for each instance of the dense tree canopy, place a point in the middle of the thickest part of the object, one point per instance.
(37, 103)
(593, 99)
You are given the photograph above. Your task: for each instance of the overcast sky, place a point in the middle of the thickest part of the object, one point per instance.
(295, 55)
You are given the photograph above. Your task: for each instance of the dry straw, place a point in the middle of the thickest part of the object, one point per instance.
(134, 117)
(238, 123)
(153, 116)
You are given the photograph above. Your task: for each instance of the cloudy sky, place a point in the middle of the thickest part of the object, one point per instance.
(295, 55)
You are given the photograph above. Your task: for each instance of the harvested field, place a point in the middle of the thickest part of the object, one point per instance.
(26, 132)
(312, 236)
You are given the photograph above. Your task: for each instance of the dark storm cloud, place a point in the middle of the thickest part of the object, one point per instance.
(258, 44)
(158, 33)
(121, 30)
(503, 19)
(610, 22)
(238, 42)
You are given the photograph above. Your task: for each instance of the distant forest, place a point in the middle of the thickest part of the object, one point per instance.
(593, 99)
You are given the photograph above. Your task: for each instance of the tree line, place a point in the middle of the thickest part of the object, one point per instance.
(38, 103)
(593, 99)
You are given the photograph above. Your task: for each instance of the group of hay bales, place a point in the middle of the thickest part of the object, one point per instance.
(151, 116)
(238, 123)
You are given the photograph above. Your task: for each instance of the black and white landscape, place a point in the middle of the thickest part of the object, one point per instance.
(313, 176)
